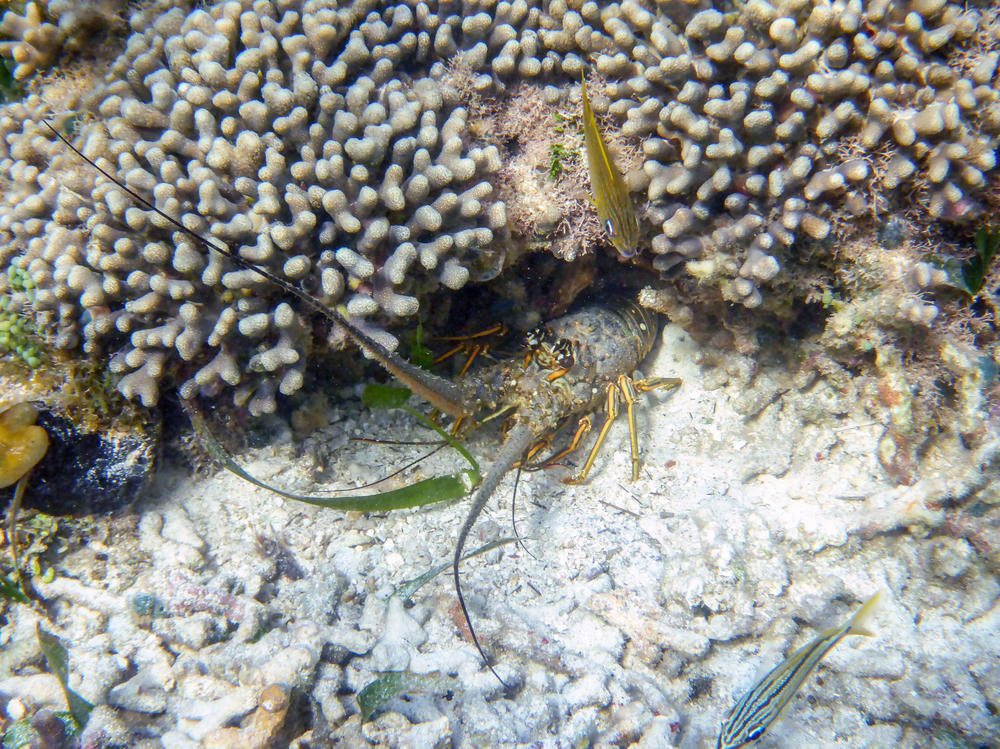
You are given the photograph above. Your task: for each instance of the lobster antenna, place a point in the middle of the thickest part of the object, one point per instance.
(518, 441)
(440, 392)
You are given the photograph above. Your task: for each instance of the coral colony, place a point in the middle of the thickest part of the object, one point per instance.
(335, 144)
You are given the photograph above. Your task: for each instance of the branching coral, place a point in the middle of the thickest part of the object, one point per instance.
(350, 150)
(39, 35)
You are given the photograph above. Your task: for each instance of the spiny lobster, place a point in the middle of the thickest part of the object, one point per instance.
(569, 367)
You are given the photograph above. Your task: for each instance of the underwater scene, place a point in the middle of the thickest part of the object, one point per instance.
(538, 373)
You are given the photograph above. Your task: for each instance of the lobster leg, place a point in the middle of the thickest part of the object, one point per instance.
(611, 413)
(626, 387)
(467, 343)
(582, 430)
(630, 389)
(473, 351)
(627, 390)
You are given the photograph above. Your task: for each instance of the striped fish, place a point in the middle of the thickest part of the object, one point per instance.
(752, 715)
(611, 197)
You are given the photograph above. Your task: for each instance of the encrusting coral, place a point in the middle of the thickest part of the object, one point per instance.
(335, 146)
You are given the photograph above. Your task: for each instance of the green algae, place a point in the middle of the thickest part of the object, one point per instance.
(18, 333)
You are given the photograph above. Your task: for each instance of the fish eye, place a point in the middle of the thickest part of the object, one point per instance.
(609, 228)
(755, 732)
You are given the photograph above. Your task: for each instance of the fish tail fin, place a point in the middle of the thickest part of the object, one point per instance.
(859, 624)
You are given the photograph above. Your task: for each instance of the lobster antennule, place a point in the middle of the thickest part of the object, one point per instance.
(440, 392)
(517, 444)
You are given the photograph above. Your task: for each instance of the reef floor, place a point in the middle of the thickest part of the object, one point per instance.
(217, 614)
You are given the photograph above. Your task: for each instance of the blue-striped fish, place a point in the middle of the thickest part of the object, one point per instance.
(752, 715)
(611, 197)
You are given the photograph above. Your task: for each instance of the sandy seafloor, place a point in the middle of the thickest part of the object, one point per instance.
(645, 609)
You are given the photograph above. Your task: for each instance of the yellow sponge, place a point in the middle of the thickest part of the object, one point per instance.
(22, 444)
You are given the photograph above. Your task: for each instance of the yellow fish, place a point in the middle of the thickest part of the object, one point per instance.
(611, 197)
(759, 707)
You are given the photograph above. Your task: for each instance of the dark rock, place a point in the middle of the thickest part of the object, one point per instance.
(87, 472)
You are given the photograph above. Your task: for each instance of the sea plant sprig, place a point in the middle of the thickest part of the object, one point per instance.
(971, 276)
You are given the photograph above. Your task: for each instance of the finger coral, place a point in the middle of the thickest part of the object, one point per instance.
(41, 32)
(337, 146)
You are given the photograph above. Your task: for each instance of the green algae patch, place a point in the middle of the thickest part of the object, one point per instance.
(986, 243)
(388, 686)
(970, 276)
(11, 590)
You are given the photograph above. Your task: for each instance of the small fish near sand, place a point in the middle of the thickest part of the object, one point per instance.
(761, 706)
(611, 196)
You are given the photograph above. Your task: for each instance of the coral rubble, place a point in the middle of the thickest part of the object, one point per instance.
(647, 610)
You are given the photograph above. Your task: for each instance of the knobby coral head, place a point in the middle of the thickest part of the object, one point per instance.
(383, 155)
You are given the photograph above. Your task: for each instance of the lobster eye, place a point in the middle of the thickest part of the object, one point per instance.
(755, 732)
(609, 228)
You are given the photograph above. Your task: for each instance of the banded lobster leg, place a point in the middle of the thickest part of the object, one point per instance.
(472, 345)
(624, 389)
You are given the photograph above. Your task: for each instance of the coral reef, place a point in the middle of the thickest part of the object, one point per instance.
(787, 112)
(346, 180)
(384, 155)
(356, 151)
